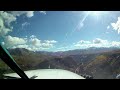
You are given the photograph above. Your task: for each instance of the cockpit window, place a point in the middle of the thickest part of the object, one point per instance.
(83, 42)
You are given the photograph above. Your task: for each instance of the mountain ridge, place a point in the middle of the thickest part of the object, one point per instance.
(98, 62)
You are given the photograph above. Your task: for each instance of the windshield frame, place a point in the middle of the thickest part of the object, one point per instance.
(7, 58)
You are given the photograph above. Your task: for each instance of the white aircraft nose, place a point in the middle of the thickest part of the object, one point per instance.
(49, 74)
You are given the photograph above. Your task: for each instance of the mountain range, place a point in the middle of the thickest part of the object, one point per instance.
(101, 63)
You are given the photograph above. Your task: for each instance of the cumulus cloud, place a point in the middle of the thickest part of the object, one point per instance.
(13, 41)
(81, 42)
(116, 26)
(99, 41)
(21, 46)
(44, 12)
(96, 43)
(41, 43)
(4, 31)
(5, 20)
(29, 14)
(47, 45)
(31, 43)
(7, 17)
(50, 41)
(37, 44)
(35, 41)
(115, 44)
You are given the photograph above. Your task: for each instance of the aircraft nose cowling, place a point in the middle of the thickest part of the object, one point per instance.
(49, 74)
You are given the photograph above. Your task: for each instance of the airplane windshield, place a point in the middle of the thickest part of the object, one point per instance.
(83, 42)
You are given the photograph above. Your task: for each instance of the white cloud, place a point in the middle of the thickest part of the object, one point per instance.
(7, 17)
(12, 41)
(82, 43)
(39, 43)
(25, 24)
(29, 14)
(44, 12)
(96, 43)
(50, 41)
(115, 44)
(32, 43)
(21, 46)
(17, 13)
(35, 42)
(47, 45)
(3, 29)
(116, 26)
(99, 41)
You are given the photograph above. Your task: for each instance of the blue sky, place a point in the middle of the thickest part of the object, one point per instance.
(59, 30)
